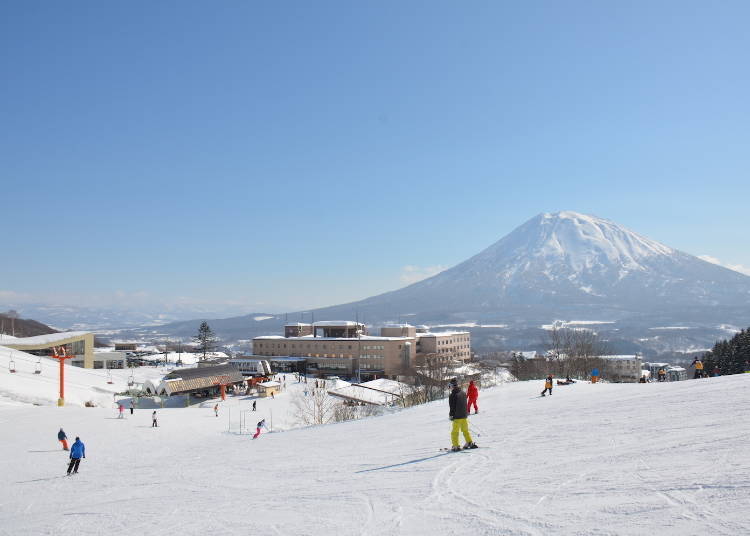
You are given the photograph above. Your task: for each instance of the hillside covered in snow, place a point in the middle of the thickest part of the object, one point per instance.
(614, 459)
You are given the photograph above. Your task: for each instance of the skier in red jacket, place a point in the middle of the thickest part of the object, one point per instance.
(472, 393)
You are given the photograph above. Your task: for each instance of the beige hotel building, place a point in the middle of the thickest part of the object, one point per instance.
(345, 348)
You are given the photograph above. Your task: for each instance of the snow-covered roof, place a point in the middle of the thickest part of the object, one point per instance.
(336, 323)
(296, 324)
(442, 333)
(270, 384)
(619, 357)
(49, 338)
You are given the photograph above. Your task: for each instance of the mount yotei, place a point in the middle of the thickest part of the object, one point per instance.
(561, 266)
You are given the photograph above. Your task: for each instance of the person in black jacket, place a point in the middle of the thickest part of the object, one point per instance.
(458, 414)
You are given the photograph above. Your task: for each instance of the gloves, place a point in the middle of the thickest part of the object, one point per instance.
(450, 418)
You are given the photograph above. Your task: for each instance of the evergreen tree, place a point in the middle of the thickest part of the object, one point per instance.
(731, 356)
(206, 339)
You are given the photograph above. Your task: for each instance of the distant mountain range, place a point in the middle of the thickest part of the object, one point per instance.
(639, 294)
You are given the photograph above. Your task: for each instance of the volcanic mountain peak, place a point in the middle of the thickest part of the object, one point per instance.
(578, 240)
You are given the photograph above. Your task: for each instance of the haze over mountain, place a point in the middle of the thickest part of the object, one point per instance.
(561, 266)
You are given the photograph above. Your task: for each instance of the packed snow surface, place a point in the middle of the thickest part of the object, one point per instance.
(624, 459)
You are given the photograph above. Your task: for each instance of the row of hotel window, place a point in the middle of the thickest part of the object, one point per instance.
(349, 346)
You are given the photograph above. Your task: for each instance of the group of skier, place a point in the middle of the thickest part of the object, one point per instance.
(77, 451)
(459, 405)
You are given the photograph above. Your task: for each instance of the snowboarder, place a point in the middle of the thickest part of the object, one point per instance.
(698, 364)
(132, 407)
(548, 385)
(261, 424)
(62, 438)
(472, 393)
(662, 374)
(120, 408)
(77, 451)
(458, 413)
(153, 420)
(254, 402)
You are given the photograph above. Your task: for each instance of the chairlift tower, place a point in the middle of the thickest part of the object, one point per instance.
(61, 357)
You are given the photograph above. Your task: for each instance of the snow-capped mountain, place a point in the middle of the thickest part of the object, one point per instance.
(568, 261)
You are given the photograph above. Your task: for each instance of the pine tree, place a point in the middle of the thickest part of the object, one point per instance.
(731, 356)
(206, 339)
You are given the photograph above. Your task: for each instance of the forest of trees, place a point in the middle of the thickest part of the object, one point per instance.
(730, 356)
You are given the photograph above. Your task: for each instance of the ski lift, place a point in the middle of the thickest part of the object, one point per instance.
(131, 379)
(38, 367)
(109, 377)
(12, 365)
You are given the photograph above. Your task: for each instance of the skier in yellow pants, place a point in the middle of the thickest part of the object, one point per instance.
(458, 414)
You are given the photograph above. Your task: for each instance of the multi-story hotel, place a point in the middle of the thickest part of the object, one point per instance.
(346, 348)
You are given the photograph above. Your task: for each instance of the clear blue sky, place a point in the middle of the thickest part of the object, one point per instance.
(295, 154)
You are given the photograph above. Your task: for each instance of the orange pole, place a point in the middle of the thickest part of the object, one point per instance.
(222, 390)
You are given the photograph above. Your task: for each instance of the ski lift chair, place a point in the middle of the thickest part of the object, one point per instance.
(12, 366)
(109, 377)
(131, 379)
(38, 366)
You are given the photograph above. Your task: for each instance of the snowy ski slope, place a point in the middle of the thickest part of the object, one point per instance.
(628, 459)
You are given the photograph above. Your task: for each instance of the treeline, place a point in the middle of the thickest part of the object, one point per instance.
(730, 356)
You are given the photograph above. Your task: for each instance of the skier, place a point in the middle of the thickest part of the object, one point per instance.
(698, 364)
(216, 409)
(472, 393)
(458, 413)
(662, 375)
(62, 438)
(120, 408)
(548, 385)
(254, 402)
(153, 420)
(261, 424)
(272, 394)
(132, 407)
(77, 451)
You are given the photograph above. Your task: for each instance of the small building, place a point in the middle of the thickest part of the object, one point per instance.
(676, 374)
(622, 368)
(110, 360)
(203, 381)
(269, 388)
(126, 346)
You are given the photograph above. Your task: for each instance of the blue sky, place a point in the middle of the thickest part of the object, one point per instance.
(297, 154)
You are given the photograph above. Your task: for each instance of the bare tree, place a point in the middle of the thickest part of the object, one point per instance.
(316, 408)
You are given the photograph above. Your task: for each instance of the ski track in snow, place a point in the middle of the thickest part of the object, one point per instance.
(626, 459)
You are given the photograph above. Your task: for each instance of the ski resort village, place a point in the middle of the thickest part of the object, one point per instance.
(374, 268)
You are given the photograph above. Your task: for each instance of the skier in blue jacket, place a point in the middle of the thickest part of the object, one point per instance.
(77, 451)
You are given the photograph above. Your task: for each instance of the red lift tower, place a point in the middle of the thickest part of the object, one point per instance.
(61, 355)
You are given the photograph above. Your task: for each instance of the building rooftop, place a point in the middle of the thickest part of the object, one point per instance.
(50, 338)
(312, 338)
(337, 324)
